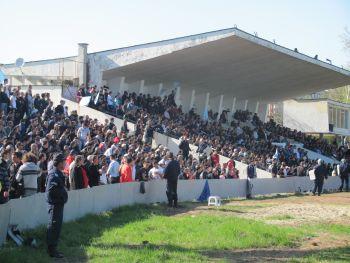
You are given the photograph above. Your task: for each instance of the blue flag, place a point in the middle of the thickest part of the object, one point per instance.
(205, 193)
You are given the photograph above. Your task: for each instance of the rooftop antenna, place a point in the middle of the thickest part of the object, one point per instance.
(329, 61)
(19, 64)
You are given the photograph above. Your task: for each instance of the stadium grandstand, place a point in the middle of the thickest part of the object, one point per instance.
(207, 94)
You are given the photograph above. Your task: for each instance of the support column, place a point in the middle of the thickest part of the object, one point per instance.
(122, 85)
(82, 63)
(142, 85)
(178, 96)
(220, 106)
(160, 88)
(246, 105)
(257, 107)
(206, 106)
(267, 112)
(192, 99)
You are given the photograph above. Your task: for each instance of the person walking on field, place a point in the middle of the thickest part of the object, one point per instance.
(56, 197)
(344, 170)
(321, 173)
(171, 174)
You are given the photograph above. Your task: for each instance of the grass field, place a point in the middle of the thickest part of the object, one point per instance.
(239, 231)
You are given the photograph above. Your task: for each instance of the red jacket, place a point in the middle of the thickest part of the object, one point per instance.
(125, 173)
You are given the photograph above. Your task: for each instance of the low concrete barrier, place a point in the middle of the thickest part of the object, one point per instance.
(4, 221)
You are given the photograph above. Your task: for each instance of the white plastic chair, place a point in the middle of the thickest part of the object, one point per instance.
(214, 200)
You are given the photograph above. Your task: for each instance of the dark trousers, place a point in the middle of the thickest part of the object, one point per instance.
(171, 192)
(54, 225)
(318, 186)
(115, 180)
(346, 180)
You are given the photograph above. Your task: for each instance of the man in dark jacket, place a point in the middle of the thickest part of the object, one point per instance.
(171, 173)
(185, 148)
(56, 197)
(4, 180)
(320, 174)
(344, 170)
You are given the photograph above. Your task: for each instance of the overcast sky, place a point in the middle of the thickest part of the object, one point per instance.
(41, 29)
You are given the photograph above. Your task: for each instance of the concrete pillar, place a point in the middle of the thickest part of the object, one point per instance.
(220, 106)
(178, 96)
(233, 108)
(82, 63)
(193, 95)
(160, 89)
(266, 112)
(122, 85)
(142, 85)
(206, 104)
(246, 105)
(257, 107)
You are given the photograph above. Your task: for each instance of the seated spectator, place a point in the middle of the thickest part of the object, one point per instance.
(29, 172)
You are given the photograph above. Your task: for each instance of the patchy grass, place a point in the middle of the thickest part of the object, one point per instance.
(150, 234)
(236, 231)
(279, 217)
(328, 255)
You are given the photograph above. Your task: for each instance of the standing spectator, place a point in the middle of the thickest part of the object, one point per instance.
(42, 179)
(126, 171)
(4, 179)
(92, 170)
(56, 197)
(185, 147)
(76, 173)
(113, 170)
(4, 100)
(156, 172)
(320, 174)
(16, 190)
(83, 133)
(344, 170)
(171, 173)
(60, 108)
(29, 172)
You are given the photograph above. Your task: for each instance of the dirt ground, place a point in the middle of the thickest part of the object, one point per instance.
(286, 210)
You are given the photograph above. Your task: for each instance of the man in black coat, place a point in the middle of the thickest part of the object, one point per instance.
(320, 174)
(171, 173)
(56, 197)
(185, 148)
(344, 170)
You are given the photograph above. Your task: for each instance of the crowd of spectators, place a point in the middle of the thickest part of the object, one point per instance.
(246, 138)
(32, 130)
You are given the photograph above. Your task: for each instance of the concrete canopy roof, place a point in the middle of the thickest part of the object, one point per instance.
(239, 64)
